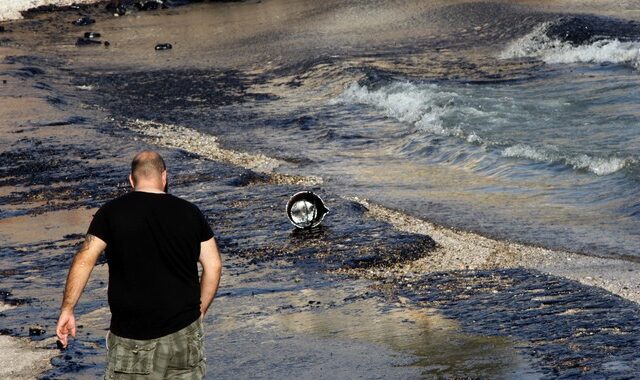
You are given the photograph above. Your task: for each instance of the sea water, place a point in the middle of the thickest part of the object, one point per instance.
(551, 159)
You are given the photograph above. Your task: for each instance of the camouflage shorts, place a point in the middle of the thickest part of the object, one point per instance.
(175, 356)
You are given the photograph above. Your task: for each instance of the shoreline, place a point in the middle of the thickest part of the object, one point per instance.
(457, 250)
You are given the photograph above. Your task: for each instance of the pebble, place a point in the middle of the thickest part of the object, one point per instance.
(107, 43)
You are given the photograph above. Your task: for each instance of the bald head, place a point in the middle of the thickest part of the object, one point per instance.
(148, 170)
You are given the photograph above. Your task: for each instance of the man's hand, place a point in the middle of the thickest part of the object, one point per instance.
(79, 273)
(66, 325)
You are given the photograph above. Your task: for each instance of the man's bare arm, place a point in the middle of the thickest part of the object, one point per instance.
(81, 268)
(211, 272)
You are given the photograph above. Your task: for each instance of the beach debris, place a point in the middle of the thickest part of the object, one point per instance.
(150, 5)
(91, 35)
(306, 210)
(87, 42)
(165, 46)
(116, 9)
(83, 21)
(107, 43)
(36, 330)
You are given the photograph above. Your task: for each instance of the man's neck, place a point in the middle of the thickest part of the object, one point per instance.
(148, 190)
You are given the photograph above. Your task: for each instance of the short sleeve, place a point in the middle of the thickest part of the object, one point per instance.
(205, 230)
(99, 226)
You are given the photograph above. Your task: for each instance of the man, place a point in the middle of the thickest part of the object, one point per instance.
(153, 242)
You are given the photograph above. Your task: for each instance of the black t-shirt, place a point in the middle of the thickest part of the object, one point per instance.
(153, 246)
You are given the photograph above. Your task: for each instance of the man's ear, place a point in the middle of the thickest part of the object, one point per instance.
(131, 181)
(164, 178)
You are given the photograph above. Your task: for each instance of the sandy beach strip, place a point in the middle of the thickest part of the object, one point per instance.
(461, 250)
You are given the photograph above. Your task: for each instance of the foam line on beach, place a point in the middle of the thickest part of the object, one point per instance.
(207, 145)
(461, 250)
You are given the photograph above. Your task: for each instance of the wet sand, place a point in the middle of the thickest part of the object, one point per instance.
(307, 305)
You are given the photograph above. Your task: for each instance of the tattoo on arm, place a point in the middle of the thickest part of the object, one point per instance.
(86, 243)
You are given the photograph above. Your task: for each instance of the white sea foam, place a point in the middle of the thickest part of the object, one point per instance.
(596, 165)
(528, 152)
(423, 106)
(538, 44)
(10, 9)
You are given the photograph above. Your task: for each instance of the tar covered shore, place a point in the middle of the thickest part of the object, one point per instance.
(477, 159)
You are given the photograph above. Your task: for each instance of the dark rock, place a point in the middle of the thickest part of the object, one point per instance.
(107, 43)
(84, 20)
(59, 345)
(166, 46)
(91, 35)
(87, 42)
(2, 29)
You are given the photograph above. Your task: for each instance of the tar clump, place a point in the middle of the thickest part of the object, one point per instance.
(84, 20)
(87, 42)
(116, 10)
(163, 46)
(36, 330)
(149, 5)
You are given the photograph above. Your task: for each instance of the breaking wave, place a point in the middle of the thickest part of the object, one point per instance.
(596, 165)
(423, 106)
(538, 44)
(431, 109)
